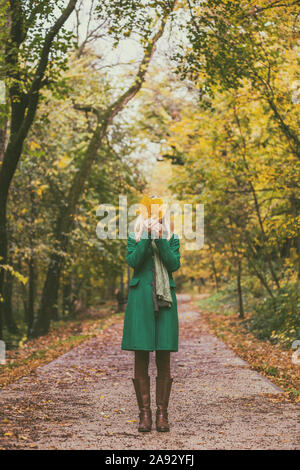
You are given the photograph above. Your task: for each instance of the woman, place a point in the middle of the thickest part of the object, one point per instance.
(151, 317)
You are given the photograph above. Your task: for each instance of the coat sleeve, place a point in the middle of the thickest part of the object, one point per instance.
(136, 251)
(169, 252)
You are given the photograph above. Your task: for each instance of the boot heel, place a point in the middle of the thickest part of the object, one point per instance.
(163, 390)
(145, 424)
(142, 390)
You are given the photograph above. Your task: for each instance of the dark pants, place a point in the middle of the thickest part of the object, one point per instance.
(141, 363)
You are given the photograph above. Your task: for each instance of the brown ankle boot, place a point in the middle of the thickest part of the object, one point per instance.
(142, 390)
(163, 390)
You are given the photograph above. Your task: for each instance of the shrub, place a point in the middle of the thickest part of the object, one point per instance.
(277, 318)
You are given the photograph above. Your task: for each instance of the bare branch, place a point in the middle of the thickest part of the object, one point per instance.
(86, 108)
(119, 104)
(33, 94)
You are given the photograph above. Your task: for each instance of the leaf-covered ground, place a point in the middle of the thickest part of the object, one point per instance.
(272, 360)
(84, 399)
(62, 337)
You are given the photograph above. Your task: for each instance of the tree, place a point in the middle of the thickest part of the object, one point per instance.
(233, 43)
(31, 61)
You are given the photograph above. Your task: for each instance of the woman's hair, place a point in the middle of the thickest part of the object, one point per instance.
(166, 221)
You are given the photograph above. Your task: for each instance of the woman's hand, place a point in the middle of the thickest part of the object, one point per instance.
(147, 225)
(152, 225)
(156, 227)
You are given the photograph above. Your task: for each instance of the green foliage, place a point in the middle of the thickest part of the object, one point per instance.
(277, 318)
(32, 21)
(13, 272)
(223, 300)
(131, 17)
(233, 41)
(232, 44)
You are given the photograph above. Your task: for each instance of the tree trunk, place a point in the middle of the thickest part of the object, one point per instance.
(295, 205)
(7, 305)
(298, 250)
(239, 290)
(269, 259)
(48, 303)
(3, 134)
(23, 110)
(259, 275)
(67, 297)
(3, 259)
(256, 203)
(213, 265)
(290, 134)
(31, 295)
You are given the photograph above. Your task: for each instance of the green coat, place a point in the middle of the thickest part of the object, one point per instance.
(142, 330)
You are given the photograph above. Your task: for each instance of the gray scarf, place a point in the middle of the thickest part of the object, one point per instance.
(161, 285)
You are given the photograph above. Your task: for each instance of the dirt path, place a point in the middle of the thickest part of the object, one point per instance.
(85, 399)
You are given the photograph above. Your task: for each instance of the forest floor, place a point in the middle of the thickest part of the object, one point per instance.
(84, 399)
